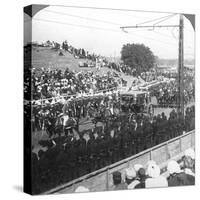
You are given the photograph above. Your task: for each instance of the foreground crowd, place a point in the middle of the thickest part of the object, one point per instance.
(80, 153)
(138, 176)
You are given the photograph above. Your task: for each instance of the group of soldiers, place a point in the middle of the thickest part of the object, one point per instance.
(44, 117)
(79, 153)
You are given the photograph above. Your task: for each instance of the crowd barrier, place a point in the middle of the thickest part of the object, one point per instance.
(77, 96)
(101, 180)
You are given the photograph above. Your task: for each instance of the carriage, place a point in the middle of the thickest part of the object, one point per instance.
(136, 102)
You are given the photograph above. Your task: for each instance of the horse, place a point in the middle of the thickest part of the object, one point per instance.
(62, 124)
(103, 115)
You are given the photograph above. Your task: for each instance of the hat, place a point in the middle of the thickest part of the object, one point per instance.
(153, 170)
(173, 167)
(81, 189)
(190, 153)
(141, 172)
(130, 173)
(117, 175)
(137, 167)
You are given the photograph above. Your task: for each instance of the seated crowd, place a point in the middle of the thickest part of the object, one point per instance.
(53, 83)
(79, 153)
(150, 176)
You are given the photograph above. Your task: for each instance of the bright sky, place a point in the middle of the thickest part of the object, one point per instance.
(99, 31)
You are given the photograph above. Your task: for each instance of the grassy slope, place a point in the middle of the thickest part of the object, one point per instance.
(48, 58)
(44, 57)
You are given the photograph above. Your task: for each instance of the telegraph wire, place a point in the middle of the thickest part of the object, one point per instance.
(81, 17)
(113, 9)
(103, 29)
(170, 16)
(156, 19)
(76, 25)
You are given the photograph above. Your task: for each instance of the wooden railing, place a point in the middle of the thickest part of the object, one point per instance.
(101, 179)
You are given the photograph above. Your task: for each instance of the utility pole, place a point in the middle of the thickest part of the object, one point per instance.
(180, 98)
(180, 69)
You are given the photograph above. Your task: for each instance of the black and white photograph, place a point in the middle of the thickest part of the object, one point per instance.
(109, 99)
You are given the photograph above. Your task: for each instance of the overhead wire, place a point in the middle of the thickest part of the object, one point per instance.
(103, 29)
(113, 9)
(81, 17)
(99, 28)
(75, 25)
(166, 18)
(153, 20)
(106, 29)
(162, 20)
(102, 21)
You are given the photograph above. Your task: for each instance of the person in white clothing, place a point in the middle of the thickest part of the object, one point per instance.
(155, 180)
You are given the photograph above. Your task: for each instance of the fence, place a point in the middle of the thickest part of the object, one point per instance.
(101, 179)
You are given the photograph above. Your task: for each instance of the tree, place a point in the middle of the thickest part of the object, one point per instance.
(138, 56)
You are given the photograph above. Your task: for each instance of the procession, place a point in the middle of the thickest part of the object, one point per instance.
(103, 122)
(120, 121)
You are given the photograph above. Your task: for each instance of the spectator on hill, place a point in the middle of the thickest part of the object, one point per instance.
(178, 177)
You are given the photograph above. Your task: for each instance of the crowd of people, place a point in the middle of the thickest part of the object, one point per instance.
(78, 52)
(150, 176)
(53, 83)
(76, 153)
(149, 76)
(45, 117)
(121, 67)
(79, 153)
(167, 93)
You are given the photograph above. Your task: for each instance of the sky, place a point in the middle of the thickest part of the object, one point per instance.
(99, 31)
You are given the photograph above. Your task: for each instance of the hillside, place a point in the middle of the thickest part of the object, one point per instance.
(48, 58)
